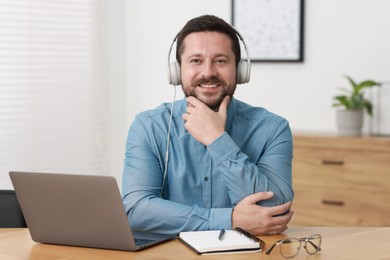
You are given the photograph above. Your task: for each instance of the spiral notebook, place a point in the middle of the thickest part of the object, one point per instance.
(234, 241)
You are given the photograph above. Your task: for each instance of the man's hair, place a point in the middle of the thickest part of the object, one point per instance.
(208, 23)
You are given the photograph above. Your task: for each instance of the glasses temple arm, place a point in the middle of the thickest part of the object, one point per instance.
(270, 249)
(314, 245)
(308, 240)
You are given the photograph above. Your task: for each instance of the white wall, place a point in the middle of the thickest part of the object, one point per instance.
(341, 37)
(118, 122)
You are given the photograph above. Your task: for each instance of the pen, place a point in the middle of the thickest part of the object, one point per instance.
(221, 234)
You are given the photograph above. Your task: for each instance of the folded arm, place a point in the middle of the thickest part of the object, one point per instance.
(245, 174)
(141, 188)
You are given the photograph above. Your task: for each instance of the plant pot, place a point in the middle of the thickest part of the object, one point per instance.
(349, 122)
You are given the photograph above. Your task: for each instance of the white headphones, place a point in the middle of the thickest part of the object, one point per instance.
(243, 67)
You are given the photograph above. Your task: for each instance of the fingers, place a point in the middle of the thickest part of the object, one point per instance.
(225, 103)
(194, 102)
(280, 223)
(264, 195)
(190, 109)
(273, 211)
(284, 219)
(192, 105)
(261, 220)
(274, 225)
(281, 209)
(256, 197)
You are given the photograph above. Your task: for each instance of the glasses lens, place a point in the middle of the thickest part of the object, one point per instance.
(313, 244)
(290, 247)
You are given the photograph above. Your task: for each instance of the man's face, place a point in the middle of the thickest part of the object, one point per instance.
(208, 69)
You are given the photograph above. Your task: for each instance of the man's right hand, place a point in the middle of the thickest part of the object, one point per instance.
(204, 124)
(259, 220)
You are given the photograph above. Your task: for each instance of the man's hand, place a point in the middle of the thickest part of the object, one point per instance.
(204, 124)
(259, 220)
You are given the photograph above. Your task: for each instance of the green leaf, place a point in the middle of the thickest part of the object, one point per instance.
(354, 97)
(353, 83)
(368, 107)
(365, 84)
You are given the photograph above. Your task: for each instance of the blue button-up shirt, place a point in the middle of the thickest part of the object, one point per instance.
(203, 184)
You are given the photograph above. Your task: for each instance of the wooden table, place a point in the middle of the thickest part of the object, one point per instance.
(337, 243)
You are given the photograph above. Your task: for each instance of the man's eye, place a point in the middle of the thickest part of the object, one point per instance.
(195, 60)
(220, 61)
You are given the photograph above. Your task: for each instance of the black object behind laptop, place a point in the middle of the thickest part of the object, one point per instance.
(11, 215)
(77, 210)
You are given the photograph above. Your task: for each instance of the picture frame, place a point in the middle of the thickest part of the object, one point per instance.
(273, 30)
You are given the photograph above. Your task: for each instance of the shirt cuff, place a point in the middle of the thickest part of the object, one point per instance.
(222, 148)
(221, 218)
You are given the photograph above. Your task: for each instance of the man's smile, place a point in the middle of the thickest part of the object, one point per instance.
(208, 85)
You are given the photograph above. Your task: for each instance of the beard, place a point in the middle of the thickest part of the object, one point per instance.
(213, 101)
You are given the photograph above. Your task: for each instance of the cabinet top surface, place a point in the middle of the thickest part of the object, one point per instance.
(325, 140)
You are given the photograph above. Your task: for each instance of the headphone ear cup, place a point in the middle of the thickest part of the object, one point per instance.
(174, 77)
(243, 72)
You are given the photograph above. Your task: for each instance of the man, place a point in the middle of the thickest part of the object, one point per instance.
(229, 163)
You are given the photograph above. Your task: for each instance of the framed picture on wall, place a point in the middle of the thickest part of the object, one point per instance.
(272, 29)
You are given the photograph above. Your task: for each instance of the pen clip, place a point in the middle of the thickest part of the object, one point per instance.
(221, 234)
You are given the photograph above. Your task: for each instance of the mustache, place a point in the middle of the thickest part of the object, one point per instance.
(211, 80)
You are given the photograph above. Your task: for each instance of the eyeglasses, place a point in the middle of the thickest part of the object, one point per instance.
(290, 247)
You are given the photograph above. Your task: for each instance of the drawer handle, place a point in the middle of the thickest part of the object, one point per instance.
(333, 202)
(332, 162)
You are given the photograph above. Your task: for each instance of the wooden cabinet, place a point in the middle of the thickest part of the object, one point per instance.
(341, 181)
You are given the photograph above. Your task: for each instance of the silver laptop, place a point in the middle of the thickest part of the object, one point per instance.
(77, 210)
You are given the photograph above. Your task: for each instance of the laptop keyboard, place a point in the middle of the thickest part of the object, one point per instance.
(142, 241)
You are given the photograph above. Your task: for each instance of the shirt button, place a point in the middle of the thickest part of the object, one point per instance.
(206, 178)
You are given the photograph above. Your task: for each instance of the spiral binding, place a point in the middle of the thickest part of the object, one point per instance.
(251, 237)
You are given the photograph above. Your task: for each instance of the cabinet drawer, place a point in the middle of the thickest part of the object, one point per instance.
(342, 169)
(324, 207)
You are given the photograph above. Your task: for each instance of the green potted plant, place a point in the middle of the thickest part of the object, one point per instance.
(354, 104)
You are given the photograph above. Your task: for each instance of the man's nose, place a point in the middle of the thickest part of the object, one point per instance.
(208, 69)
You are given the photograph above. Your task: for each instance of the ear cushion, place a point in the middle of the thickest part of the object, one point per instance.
(174, 77)
(243, 72)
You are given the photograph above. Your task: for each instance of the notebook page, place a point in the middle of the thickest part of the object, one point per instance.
(207, 241)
